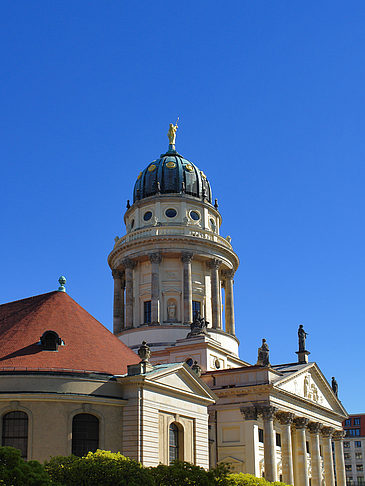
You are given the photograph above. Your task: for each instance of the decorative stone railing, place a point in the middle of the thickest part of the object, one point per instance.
(173, 231)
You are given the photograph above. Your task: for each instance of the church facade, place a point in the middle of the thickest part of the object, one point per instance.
(67, 385)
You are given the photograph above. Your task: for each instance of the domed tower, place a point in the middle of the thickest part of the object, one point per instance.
(171, 266)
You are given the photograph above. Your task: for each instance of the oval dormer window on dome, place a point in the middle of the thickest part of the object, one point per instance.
(50, 341)
(195, 215)
(171, 212)
(147, 216)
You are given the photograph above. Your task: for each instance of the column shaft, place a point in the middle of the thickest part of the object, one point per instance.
(155, 259)
(229, 304)
(286, 419)
(188, 288)
(300, 424)
(329, 474)
(339, 458)
(251, 441)
(118, 314)
(216, 294)
(129, 265)
(316, 480)
(269, 443)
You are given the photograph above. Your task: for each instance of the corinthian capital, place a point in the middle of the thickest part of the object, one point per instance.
(301, 422)
(229, 274)
(214, 263)
(267, 411)
(314, 427)
(186, 256)
(155, 257)
(338, 434)
(128, 263)
(285, 418)
(250, 413)
(327, 431)
(117, 274)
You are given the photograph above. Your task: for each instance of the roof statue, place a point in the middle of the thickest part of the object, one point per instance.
(263, 354)
(172, 132)
(198, 327)
(301, 337)
(334, 386)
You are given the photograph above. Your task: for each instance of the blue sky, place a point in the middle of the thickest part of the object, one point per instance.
(271, 102)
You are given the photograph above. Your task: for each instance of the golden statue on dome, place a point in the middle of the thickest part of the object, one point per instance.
(172, 132)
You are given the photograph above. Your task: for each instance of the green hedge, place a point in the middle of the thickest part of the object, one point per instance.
(103, 468)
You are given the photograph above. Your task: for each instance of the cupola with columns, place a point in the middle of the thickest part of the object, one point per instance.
(171, 267)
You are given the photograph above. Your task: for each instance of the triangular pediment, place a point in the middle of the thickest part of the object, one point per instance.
(181, 379)
(309, 384)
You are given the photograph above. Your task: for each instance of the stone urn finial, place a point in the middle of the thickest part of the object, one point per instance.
(144, 352)
(62, 281)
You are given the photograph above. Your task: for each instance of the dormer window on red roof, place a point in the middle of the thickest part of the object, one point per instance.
(50, 341)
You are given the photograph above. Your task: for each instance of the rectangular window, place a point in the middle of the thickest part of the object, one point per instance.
(357, 421)
(357, 443)
(196, 308)
(307, 447)
(358, 455)
(347, 455)
(359, 467)
(278, 440)
(360, 480)
(320, 450)
(348, 467)
(347, 422)
(353, 432)
(346, 445)
(261, 435)
(147, 312)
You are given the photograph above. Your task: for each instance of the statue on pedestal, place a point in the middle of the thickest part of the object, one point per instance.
(198, 327)
(301, 337)
(172, 132)
(334, 385)
(263, 354)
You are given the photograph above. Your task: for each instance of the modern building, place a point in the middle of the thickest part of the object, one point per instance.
(354, 449)
(67, 384)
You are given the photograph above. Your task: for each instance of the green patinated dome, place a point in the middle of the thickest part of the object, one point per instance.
(170, 174)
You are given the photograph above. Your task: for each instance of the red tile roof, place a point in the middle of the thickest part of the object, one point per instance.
(89, 346)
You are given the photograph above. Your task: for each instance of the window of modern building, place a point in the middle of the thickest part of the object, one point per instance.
(307, 447)
(360, 480)
(346, 445)
(349, 480)
(358, 455)
(15, 431)
(357, 443)
(359, 467)
(347, 422)
(347, 456)
(357, 421)
(353, 432)
(196, 308)
(173, 443)
(348, 467)
(147, 312)
(261, 435)
(278, 440)
(85, 434)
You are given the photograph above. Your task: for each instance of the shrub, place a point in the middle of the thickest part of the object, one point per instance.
(14, 471)
(98, 468)
(241, 479)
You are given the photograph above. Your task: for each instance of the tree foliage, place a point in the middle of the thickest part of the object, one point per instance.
(14, 471)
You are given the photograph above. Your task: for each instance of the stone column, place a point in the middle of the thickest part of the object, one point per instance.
(251, 440)
(228, 304)
(314, 429)
(186, 257)
(300, 425)
(286, 419)
(268, 412)
(118, 304)
(338, 436)
(128, 265)
(155, 259)
(214, 265)
(329, 475)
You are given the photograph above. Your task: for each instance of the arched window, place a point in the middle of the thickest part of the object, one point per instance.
(173, 443)
(15, 431)
(85, 434)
